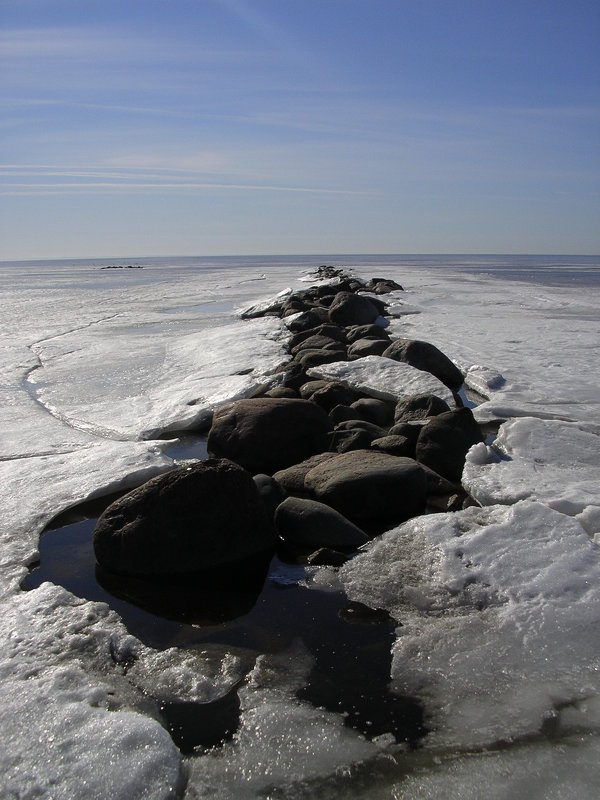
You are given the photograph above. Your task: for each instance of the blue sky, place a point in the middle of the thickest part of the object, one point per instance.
(294, 126)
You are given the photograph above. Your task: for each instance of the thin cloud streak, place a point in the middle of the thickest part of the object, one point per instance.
(92, 188)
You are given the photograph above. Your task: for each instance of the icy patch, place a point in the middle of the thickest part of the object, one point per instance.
(281, 740)
(500, 612)
(97, 381)
(384, 378)
(64, 731)
(557, 463)
(533, 771)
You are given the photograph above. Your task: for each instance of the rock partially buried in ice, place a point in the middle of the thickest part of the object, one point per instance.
(367, 486)
(353, 309)
(310, 523)
(189, 519)
(268, 434)
(427, 357)
(445, 440)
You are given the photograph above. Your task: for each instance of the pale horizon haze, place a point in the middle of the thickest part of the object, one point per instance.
(233, 127)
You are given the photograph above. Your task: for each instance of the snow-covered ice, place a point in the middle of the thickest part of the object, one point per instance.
(499, 605)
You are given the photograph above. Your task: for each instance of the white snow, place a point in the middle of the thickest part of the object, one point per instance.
(384, 378)
(499, 605)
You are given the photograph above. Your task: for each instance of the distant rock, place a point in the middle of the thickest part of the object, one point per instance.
(268, 434)
(188, 520)
(313, 524)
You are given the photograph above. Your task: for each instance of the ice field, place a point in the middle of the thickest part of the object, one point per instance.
(498, 607)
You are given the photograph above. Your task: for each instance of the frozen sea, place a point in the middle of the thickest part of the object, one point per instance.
(497, 607)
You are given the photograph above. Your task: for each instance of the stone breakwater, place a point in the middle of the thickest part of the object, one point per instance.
(357, 433)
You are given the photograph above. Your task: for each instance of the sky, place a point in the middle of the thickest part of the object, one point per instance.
(207, 127)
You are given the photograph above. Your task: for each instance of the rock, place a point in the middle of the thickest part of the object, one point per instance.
(427, 357)
(374, 431)
(373, 331)
(444, 441)
(370, 487)
(332, 395)
(367, 347)
(267, 434)
(188, 520)
(344, 440)
(318, 342)
(419, 406)
(315, 358)
(281, 391)
(308, 319)
(329, 330)
(380, 412)
(395, 446)
(343, 413)
(271, 492)
(292, 478)
(352, 309)
(383, 285)
(310, 523)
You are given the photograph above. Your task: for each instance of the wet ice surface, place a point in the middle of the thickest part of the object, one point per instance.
(499, 606)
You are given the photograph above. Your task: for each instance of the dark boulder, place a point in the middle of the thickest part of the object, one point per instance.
(313, 524)
(375, 431)
(366, 347)
(373, 331)
(380, 412)
(271, 492)
(318, 342)
(383, 285)
(426, 357)
(332, 395)
(369, 487)
(308, 319)
(329, 330)
(267, 434)
(342, 441)
(419, 406)
(444, 441)
(188, 520)
(343, 413)
(395, 446)
(281, 391)
(315, 358)
(352, 309)
(292, 478)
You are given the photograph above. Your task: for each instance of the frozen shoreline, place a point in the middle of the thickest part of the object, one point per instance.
(45, 660)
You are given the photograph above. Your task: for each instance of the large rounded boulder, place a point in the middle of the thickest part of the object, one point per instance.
(188, 520)
(266, 434)
(426, 356)
(369, 487)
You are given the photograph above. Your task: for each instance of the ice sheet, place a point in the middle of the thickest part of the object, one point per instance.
(557, 463)
(500, 614)
(384, 378)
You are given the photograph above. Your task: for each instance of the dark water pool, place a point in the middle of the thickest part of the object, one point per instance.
(262, 607)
